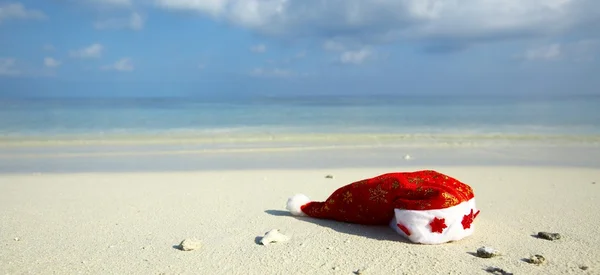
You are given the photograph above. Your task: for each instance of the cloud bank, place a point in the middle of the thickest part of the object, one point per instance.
(51, 62)
(122, 65)
(92, 51)
(383, 20)
(10, 11)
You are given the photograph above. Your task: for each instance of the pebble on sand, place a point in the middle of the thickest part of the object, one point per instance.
(536, 259)
(329, 177)
(17, 239)
(189, 245)
(487, 252)
(273, 236)
(548, 236)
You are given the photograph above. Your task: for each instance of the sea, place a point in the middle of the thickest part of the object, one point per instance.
(56, 135)
(303, 119)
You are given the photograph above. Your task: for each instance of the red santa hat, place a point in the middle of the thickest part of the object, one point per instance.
(425, 206)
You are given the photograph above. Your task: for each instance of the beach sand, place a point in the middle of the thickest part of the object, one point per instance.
(131, 223)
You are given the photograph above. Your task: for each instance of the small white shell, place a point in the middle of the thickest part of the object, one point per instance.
(274, 236)
(190, 244)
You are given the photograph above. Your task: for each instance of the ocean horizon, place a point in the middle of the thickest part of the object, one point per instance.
(394, 119)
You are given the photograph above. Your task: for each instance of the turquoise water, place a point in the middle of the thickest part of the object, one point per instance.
(172, 134)
(408, 115)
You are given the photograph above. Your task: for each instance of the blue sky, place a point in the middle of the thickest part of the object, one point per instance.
(195, 47)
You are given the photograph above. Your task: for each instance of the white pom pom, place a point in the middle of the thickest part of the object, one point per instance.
(294, 203)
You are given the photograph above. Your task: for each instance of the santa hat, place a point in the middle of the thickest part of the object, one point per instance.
(425, 206)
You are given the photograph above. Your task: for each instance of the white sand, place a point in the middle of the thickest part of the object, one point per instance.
(128, 223)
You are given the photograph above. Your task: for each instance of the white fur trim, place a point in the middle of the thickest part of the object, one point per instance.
(294, 203)
(417, 222)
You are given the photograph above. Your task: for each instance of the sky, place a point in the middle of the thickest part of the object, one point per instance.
(279, 47)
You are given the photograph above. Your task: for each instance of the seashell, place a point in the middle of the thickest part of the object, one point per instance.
(274, 236)
(189, 245)
(359, 271)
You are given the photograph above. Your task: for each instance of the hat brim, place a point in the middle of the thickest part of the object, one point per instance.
(436, 226)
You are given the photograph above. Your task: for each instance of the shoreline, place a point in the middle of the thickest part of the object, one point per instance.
(272, 139)
(189, 158)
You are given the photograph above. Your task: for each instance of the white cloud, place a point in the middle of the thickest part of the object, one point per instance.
(8, 67)
(134, 22)
(92, 51)
(213, 7)
(122, 65)
(11, 67)
(276, 72)
(355, 57)
(10, 11)
(260, 48)
(548, 52)
(51, 62)
(465, 20)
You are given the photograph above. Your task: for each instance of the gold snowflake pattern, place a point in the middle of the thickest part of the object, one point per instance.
(378, 194)
(428, 191)
(469, 190)
(416, 180)
(347, 197)
(449, 199)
